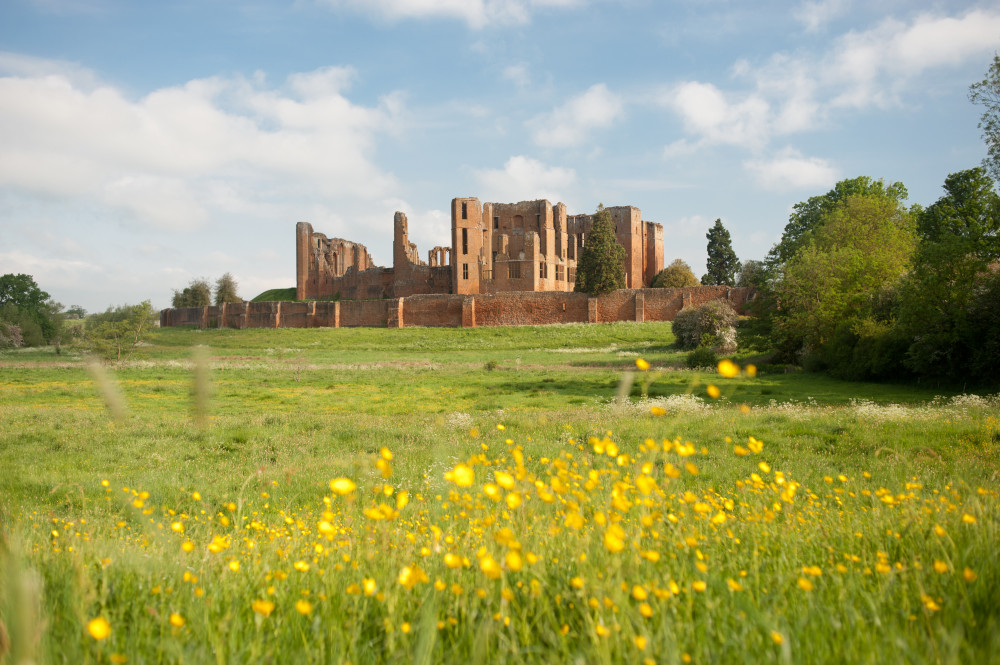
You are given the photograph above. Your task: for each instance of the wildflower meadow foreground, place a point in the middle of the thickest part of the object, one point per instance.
(672, 535)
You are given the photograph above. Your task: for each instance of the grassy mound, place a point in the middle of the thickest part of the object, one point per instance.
(273, 295)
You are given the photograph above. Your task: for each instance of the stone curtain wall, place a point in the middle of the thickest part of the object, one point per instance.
(446, 310)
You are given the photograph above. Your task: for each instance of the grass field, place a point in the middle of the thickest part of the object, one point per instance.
(487, 495)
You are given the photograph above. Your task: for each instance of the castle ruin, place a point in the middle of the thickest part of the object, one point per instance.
(495, 248)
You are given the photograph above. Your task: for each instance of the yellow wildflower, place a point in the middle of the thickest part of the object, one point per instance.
(99, 628)
(728, 369)
(263, 607)
(342, 486)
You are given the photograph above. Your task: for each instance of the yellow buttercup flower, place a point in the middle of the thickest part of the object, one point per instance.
(342, 486)
(514, 561)
(99, 628)
(641, 364)
(713, 391)
(303, 606)
(263, 607)
(462, 475)
(728, 369)
(490, 566)
(176, 620)
(614, 539)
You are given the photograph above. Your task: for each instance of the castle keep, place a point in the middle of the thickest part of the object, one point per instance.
(495, 248)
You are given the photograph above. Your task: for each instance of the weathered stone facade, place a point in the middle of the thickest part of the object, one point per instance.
(495, 248)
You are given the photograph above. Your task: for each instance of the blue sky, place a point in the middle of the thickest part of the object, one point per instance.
(144, 144)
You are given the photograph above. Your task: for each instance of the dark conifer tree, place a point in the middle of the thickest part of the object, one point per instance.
(601, 267)
(722, 262)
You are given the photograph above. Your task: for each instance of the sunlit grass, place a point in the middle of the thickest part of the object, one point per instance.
(443, 511)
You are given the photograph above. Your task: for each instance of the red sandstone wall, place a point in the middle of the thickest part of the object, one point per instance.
(415, 280)
(364, 313)
(525, 308)
(662, 304)
(433, 310)
(499, 309)
(232, 316)
(262, 314)
(294, 315)
(616, 306)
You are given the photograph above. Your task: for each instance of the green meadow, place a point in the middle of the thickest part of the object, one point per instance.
(503, 495)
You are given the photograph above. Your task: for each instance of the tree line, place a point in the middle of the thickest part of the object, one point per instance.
(199, 292)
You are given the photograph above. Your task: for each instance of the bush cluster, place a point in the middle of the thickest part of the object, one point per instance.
(712, 325)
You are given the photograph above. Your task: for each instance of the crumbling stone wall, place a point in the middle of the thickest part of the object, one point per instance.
(495, 248)
(319, 261)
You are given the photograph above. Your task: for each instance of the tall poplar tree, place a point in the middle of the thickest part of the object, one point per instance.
(722, 261)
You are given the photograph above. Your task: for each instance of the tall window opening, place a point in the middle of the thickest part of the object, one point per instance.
(465, 241)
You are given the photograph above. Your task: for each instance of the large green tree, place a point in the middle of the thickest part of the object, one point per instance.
(987, 94)
(24, 304)
(752, 274)
(859, 246)
(722, 261)
(197, 294)
(601, 267)
(226, 290)
(807, 215)
(677, 275)
(960, 245)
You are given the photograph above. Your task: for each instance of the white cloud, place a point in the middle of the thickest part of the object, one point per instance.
(789, 169)
(164, 202)
(569, 124)
(477, 13)
(174, 157)
(518, 75)
(709, 114)
(814, 13)
(525, 179)
(874, 67)
(795, 93)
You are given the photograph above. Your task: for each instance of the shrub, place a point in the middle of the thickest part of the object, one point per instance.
(677, 275)
(10, 336)
(716, 319)
(116, 333)
(687, 327)
(703, 356)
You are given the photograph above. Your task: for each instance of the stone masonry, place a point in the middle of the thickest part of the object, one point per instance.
(495, 248)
